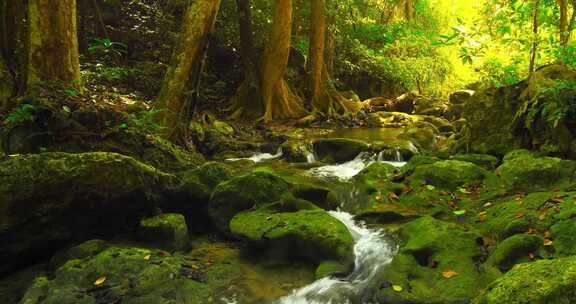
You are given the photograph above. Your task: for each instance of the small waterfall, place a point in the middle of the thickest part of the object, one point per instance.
(259, 157)
(347, 170)
(310, 154)
(372, 253)
(392, 157)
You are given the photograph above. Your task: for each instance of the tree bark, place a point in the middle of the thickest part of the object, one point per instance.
(53, 44)
(277, 101)
(316, 55)
(409, 10)
(14, 16)
(185, 67)
(563, 22)
(535, 28)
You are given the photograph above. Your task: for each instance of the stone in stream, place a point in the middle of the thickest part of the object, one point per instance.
(338, 150)
(539, 282)
(166, 230)
(514, 250)
(437, 263)
(448, 174)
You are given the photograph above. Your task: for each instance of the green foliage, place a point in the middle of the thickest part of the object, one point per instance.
(498, 74)
(107, 48)
(146, 122)
(23, 114)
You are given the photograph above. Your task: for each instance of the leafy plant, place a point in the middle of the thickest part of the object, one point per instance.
(146, 121)
(25, 113)
(107, 47)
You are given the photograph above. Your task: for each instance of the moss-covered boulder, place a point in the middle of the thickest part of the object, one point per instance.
(488, 162)
(167, 230)
(526, 172)
(311, 234)
(564, 234)
(296, 151)
(448, 174)
(129, 275)
(244, 192)
(437, 263)
(514, 250)
(105, 193)
(338, 150)
(540, 282)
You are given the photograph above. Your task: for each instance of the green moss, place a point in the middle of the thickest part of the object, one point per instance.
(429, 248)
(488, 162)
(244, 192)
(312, 234)
(514, 250)
(448, 174)
(540, 282)
(328, 268)
(166, 230)
(564, 234)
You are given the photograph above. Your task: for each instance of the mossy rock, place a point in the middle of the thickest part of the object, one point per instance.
(437, 263)
(310, 234)
(167, 230)
(376, 172)
(330, 268)
(296, 151)
(132, 275)
(419, 160)
(106, 193)
(244, 192)
(338, 150)
(564, 234)
(540, 282)
(448, 174)
(514, 250)
(525, 172)
(488, 162)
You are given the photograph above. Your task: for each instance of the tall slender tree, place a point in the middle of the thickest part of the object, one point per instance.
(185, 68)
(53, 42)
(563, 25)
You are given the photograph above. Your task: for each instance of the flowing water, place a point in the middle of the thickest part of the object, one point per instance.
(347, 170)
(260, 157)
(373, 251)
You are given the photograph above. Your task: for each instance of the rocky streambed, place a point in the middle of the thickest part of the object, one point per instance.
(352, 222)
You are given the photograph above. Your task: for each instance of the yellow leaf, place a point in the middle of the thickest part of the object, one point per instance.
(99, 281)
(488, 205)
(548, 242)
(448, 274)
(397, 288)
(147, 258)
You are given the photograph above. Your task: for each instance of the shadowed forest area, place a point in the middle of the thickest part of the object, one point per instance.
(287, 151)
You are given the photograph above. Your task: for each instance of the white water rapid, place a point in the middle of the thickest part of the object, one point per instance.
(259, 157)
(372, 252)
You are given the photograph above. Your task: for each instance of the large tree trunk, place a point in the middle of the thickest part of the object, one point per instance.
(14, 15)
(186, 66)
(316, 55)
(6, 84)
(277, 101)
(53, 48)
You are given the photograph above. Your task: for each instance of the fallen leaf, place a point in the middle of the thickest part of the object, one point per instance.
(483, 213)
(547, 234)
(459, 212)
(448, 274)
(531, 231)
(548, 242)
(164, 254)
(99, 281)
(147, 257)
(392, 196)
(488, 205)
(397, 288)
(430, 187)
(519, 215)
(463, 191)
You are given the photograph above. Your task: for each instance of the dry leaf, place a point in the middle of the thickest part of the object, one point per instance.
(531, 231)
(488, 205)
(520, 215)
(392, 196)
(483, 213)
(99, 281)
(448, 274)
(397, 288)
(548, 242)
(147, 257)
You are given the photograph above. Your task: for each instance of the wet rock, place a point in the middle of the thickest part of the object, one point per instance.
(106, 192)
(430, 251)
(488, 162)
(131, 275)
(311, 234)
(167, 230)
(338, 150)
(244, 192)
(448, 174)
(330, 268)
(296, 151)
(514, 250)
(526, 172)
(540, 282)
